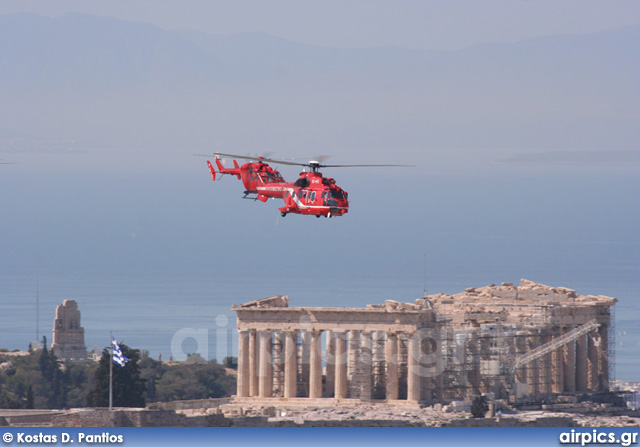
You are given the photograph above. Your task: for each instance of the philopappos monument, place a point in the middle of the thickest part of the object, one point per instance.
(68, 335)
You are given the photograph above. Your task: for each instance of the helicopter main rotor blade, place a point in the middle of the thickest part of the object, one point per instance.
(312, 164)
(365, 166)
(263, 159)
(248, 157)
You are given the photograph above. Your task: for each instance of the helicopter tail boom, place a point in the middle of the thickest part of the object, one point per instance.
(222, 170)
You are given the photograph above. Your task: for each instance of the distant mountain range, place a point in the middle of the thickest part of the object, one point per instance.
(106, 81)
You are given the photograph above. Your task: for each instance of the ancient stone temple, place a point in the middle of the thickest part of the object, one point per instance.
(528, 342)
(280, 350)
(68, 335)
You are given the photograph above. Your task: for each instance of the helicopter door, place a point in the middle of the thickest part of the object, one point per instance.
(290, 198)
(325, 196)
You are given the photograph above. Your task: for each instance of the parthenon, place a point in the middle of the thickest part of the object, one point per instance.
(523, 342)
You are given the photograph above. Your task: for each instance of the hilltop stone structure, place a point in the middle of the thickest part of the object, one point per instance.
(523, 343)
(68, 335)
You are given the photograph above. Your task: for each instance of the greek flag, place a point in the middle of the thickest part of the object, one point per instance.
(118, 356)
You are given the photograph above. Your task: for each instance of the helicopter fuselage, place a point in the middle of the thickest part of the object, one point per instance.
(311, 194)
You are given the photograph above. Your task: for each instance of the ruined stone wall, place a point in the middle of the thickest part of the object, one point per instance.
(501, 324)
(102, 417)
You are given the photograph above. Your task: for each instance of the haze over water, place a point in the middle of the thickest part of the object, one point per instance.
(147, 255)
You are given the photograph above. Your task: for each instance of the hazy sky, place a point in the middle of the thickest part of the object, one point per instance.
(430, 24)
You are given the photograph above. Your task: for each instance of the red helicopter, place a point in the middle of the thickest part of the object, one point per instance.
(311, 194)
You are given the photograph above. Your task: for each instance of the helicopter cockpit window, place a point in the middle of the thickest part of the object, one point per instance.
(276, 176)
(337, 194)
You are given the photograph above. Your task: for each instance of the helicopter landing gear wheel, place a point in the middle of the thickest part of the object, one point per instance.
(283, 214)
(318, 216)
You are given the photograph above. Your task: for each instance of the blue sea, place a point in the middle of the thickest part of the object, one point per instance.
(166, 314)
(158, 255)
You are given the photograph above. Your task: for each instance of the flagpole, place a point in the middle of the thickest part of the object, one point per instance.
(111, 373)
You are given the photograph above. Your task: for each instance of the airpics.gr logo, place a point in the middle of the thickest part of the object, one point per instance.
(600, 438)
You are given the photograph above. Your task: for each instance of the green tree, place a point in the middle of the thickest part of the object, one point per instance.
(152, 371)
(29, 403)
(47, 362)
(479, 407)
(33, 381)
(194, 381)
(128, 385)
(78, 380)
(230, 362)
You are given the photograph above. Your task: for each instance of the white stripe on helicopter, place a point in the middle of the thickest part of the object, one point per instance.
(295, 197)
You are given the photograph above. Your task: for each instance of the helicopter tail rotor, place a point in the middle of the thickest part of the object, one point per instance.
(212, 171)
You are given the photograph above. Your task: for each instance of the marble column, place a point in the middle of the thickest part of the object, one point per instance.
(353, 389)
(593, 344)
(330, 372)
(305, 359)
(431, 365)
(603, 358)
(291, 364)
(391, 354)
(341, 366)
(581, 363)
(546, 370)
(558, 370)
(278, 363)
(569, 366)
(265, 379)
(243, 364)
(366, 366)
(402, 360)
(315, 373)
(378, 365)
(533, 376)
(413, 370)
(253, 363)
